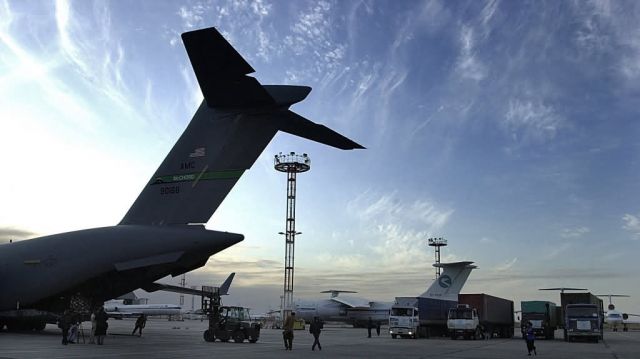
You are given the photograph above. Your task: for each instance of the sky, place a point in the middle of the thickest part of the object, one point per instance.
(509, 128)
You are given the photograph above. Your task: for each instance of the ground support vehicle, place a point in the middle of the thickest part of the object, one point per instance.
(541, 315)
(481, 316)
(583, 316)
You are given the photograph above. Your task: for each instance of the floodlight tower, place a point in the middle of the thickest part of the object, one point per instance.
(292, 164)
(437, 243)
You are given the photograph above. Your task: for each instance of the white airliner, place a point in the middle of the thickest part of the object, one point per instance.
(616, 318)
(117, 309)
(348, 309)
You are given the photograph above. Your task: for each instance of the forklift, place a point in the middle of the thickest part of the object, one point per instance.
(227, 322)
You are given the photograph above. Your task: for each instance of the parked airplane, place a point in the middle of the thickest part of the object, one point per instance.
(614, 317)
(357, 311)
(346, 309)
(163, 232)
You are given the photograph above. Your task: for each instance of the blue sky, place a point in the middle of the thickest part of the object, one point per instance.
(509, 128)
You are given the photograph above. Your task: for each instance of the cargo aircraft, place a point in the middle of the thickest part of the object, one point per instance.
(163, 232)
(357, 311)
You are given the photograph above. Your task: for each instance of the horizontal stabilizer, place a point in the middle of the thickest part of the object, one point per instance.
(222, 290)
(352, 302)
(291, 122)
(221, 72)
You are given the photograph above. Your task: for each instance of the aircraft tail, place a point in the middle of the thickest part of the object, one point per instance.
(450, 282)
(235, 122)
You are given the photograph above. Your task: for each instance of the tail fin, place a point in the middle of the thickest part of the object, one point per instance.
(224, 288)
(450, 282)
(233, 125)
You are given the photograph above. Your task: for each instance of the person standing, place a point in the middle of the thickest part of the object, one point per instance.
(369, 327)
(101, 325)
(530, 337)
(378, 328)
(64, 323)
(140, 323)
(315, 328)
(92, 336)
(287, 333)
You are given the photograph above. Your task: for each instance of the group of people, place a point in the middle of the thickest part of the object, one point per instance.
(315, 329)
(69, 323)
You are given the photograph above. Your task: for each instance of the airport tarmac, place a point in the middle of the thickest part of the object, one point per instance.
(164, 339)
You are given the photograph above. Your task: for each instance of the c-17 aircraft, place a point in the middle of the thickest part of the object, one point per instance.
(163, 232)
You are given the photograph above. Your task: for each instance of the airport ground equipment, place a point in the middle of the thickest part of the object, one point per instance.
(583, 316)
(418, 317)
(541, 315)
(481, 315)
(232, 323)
(430, 309)
(403, 320)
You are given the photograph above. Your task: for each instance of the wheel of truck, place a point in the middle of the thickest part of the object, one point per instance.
(394, 336)
(253, 339)
(453, 336)
(208, 336)
(238, 337)
(476, 334)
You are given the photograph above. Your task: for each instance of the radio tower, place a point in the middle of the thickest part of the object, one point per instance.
(292, 164)
(437, 243)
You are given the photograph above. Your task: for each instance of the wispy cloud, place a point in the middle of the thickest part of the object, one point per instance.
(397, 228)
(577, 232)
(530, 120)
(468, 65)
(506, 266)
(632, 224)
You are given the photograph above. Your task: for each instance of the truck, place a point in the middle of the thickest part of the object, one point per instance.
(583, 316)
(419, 317)
(481, 315)
(542, 315)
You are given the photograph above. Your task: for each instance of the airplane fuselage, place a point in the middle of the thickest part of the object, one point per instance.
(100, 263)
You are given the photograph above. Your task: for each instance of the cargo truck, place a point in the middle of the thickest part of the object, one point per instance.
(417, 317)
(542, 315)
(583, 316)
(481, 315)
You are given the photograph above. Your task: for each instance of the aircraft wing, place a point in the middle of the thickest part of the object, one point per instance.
(352, 302)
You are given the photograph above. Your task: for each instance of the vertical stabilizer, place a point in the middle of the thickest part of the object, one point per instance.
(233, 125)
(450, 282)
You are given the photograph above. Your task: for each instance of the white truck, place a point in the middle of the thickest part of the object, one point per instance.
(403, 319)
(463, 321)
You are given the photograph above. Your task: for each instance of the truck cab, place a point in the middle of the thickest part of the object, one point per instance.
(463, 321)
(583, 321)
(403, 322)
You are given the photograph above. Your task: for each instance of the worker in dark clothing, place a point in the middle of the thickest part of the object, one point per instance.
(530, 337)
(378, 328)
(369, 327)
(101, 325)
(140, 323)
(315, 328)
(64, 323)
(287, 333)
